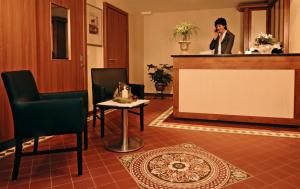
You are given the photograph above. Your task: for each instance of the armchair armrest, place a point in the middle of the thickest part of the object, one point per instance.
(48, 117)
(138, 90)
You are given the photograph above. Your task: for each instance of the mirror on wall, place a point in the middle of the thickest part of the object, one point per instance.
(60, 30)
(268, 17)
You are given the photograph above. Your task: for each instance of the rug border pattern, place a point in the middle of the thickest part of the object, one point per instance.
(159, 122)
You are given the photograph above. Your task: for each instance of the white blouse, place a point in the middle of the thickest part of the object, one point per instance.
(220, 41)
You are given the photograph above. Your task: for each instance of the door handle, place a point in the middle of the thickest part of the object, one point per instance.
(111, 60)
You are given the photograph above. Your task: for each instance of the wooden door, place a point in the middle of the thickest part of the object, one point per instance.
(115, 37)
(61, 74)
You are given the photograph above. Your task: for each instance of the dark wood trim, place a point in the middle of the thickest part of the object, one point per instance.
(273, 21)
(94, 45)
(85, 47)
(279, 17)
(175, 90)
(247, 17)
(155, 94)
(269, 20)
(106, 4)
(236, 118)
(105, 55)
(297, 95)
(274, 62)
(272, 2)
(242, 7)
(286, 24)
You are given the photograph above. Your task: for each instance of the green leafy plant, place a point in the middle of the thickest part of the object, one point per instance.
(184, 30)
(160, 74)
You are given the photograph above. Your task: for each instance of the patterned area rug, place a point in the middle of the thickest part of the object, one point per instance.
(181, 166)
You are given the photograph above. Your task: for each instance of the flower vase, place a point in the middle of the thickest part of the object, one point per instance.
(265, 49)
(184, 46)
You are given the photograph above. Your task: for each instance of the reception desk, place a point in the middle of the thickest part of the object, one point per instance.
(243, 88)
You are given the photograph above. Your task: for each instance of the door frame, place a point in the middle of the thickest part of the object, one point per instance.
(105, 39)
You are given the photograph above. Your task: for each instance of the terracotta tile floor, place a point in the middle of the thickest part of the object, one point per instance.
(273, 162)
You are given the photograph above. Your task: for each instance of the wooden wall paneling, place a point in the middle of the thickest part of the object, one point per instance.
(17, 50)
(43, 41)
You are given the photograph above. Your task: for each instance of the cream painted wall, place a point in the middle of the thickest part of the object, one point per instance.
(258, 23)
(159, 43)
(136, 66)
(294, 26)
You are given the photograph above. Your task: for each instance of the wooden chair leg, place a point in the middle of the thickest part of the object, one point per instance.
(17, 161)
(102, 122)
(94, 116)
(85, 136)
(142, 117)
(36, 144)
(79, 153)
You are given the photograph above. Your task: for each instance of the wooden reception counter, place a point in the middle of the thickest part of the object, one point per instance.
(243, 88)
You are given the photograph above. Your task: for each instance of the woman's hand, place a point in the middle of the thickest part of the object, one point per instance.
(216, 34)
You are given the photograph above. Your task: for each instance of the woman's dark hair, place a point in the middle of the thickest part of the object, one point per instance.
(221, 21)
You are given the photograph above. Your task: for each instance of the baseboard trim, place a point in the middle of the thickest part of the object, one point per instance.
(7, 144)
(156, 94)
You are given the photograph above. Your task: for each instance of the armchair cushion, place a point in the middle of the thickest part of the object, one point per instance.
(48, 117)
(67, 95)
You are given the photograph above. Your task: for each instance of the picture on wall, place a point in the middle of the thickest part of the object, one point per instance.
(94, 25)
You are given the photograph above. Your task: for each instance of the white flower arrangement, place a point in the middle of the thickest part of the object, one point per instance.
(264, 39)
(185, 30)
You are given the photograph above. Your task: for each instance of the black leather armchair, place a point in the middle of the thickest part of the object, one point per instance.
(37, 114)
(104, 83)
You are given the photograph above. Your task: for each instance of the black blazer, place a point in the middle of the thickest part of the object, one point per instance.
(226, 44)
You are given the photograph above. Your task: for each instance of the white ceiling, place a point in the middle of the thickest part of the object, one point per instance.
(181, 5)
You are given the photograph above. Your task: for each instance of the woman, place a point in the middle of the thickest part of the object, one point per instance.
(223, 40)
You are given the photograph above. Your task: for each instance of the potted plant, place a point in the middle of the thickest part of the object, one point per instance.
(160, 75)
(184, 31)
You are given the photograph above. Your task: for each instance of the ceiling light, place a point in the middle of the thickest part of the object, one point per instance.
(146, 12)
